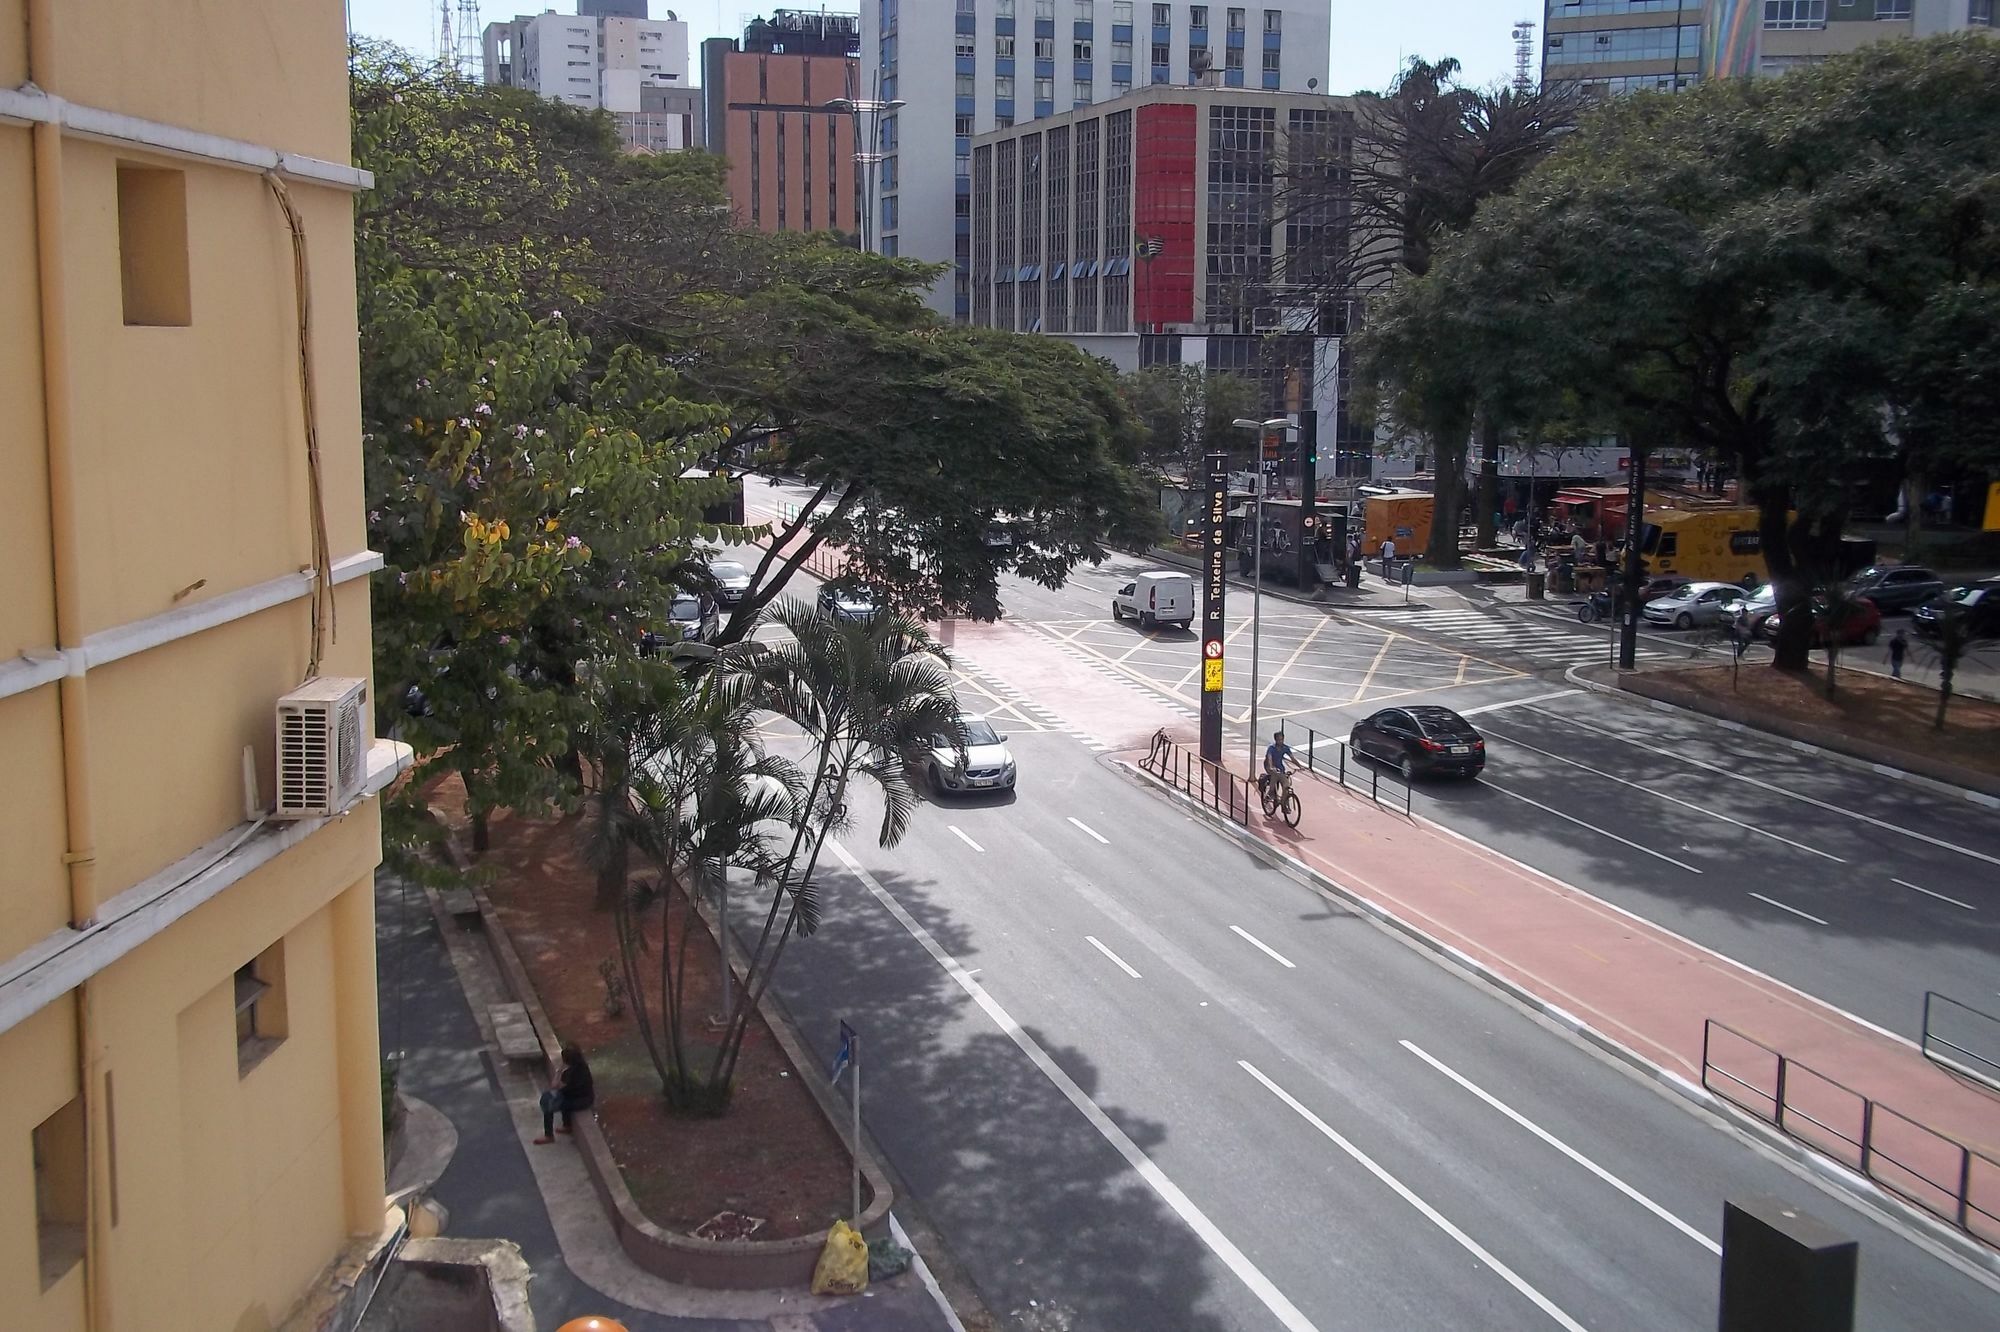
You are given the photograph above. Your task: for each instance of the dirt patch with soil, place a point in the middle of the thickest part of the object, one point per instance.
(1891, 713)
(771, 1155)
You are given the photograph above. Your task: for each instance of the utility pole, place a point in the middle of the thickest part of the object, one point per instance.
(1635, 535)
(1262, 429)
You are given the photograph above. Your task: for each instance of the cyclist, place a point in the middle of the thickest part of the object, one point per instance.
(1276, 756)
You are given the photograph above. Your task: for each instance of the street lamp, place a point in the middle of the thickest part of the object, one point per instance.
(1257, 566)
(866, 111)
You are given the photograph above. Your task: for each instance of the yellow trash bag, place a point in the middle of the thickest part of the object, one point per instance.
(843, 1263)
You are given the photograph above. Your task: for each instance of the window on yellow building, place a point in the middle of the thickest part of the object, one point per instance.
(59, 1191)
(260, 1007)
(153, 245)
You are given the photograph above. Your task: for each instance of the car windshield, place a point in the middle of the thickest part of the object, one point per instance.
(726, 572)
(855, 600)
(980, 733)
(686, 608)
(1966, 596)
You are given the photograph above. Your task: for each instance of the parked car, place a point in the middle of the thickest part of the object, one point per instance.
(1420, 741)
(1759, 606)
(1896, 587)
(1661, 585)
(854, 603)
(1978, 602)
(986, 764)
(1697, 603)
(1862, 625)
(695, 616)
(1156, 597)
(732, 581)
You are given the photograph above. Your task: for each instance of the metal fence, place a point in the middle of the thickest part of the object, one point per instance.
(1939, 1174)
(1327, 756)
(1210, 783)
(1962, 1038)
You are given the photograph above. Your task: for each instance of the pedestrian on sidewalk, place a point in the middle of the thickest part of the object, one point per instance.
(571, 1090)
(1899, 646)
(1388, 554)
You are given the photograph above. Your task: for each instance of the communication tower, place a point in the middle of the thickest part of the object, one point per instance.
(1524, 56)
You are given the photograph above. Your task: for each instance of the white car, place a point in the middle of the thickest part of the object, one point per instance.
(1159, 596)
(1697, 603)
(985, 766)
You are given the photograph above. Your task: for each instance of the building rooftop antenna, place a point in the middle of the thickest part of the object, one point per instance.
(470, 53)
(1524, 56)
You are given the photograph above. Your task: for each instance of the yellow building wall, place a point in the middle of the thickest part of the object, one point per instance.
(267, 73)
(46, 1044)
(27, 611)
(34, 887)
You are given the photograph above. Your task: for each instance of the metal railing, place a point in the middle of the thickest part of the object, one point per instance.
(1336, 767)
(1962, 1038)
(1209, 783)
(1910, 1159)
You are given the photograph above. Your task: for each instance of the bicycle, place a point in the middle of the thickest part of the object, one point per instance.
(1279, 797)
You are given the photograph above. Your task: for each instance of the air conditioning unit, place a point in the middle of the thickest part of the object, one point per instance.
(322, 747)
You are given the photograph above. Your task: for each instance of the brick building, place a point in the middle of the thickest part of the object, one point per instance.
(791, 159)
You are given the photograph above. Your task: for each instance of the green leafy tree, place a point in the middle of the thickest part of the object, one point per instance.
(1186, 412)
(1746, 269)
(865, 693)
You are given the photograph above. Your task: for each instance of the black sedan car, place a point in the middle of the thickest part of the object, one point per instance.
(1420, 741)
(1978, 603)
(854, 603)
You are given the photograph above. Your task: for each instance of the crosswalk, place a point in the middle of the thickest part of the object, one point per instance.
(1545, 643)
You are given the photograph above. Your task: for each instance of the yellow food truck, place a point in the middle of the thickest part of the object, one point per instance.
(1720, 545)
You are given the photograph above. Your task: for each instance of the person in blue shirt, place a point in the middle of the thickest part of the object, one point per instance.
(1275, 758)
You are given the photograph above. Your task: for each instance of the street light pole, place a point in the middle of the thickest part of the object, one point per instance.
(1257, 569)
(866, 113)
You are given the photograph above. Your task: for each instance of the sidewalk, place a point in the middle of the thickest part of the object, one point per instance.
(497, 1185)
(1633, 984)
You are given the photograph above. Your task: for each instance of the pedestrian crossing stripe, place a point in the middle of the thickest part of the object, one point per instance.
(1535, 641)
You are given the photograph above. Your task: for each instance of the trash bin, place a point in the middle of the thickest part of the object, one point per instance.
(1353, 575)
(1537, 586)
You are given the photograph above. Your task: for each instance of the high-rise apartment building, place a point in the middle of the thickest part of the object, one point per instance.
(964, 67)
(609, 55)
(791, 156)
(191, 1132)
(1665, 45)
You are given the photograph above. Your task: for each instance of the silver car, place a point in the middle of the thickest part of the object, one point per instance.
(1697, 603)
(985, 766)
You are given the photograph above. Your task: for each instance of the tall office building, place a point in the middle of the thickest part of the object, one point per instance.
(191, 1134)
(791, 159)
(609, 55)
(1665, 45)
(964, 67)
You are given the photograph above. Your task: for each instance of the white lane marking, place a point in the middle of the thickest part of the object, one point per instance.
(1259, 943)
(1794, 910)
(1517, 703)
(1570, 818)
(1939, 896)
(959, 833)
(1170, 1193)
(1431, 1214)
(1673, 800)
(1565, 1149)
(1775, 789)
(1116, 960)
(1092, 831)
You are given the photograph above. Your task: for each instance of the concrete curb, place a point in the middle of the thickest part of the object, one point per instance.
(1886, 1207)
(1944, 778)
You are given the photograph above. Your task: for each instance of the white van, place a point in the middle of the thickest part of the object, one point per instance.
(1156, 597)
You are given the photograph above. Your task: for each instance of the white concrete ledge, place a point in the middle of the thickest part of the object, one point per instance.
(42, 666)
(29, 105)
(55, 965)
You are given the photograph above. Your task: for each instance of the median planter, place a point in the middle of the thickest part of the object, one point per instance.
(778, 1157)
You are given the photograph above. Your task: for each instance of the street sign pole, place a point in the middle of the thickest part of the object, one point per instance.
(1308, 488)
(1256, 615)
(1635, 530)
(1215, 584)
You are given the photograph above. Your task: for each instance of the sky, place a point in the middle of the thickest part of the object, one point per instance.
(1370, 37)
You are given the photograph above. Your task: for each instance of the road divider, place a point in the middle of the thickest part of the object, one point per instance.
(1491, 785)
(1255, 942)
(1116, 960)
(961, 835)
(1939, 896)
(1794, 910)
(1092, 831)
(1563, 1147)
(1429, 1213)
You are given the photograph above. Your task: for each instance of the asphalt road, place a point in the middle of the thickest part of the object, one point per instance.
(1138, 1079)
(1857, 889)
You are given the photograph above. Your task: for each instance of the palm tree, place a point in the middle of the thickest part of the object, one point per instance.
(864, 692)
(1833, 606)
(1947, 649)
